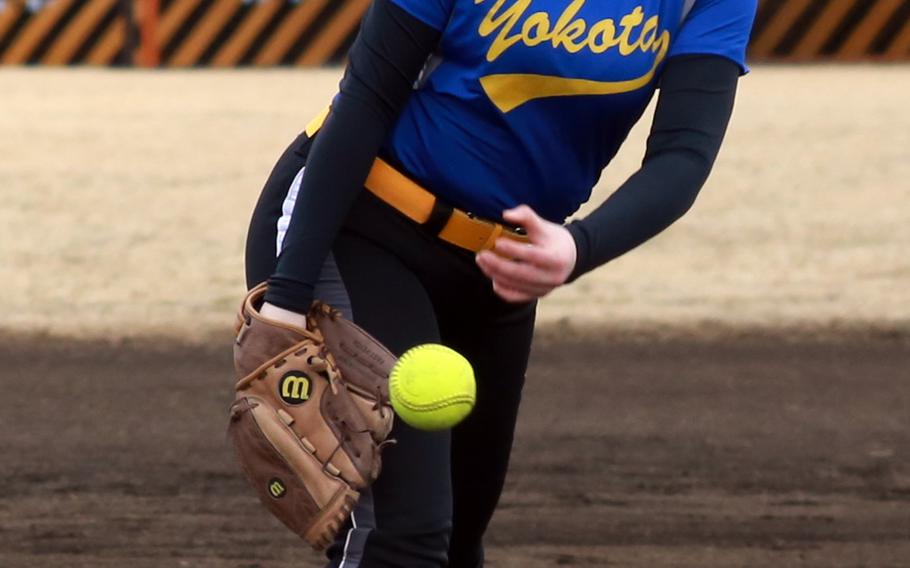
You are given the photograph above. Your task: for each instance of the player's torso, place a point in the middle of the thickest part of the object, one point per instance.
(547, 87)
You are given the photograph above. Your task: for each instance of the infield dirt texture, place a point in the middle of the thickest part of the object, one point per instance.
(734, 394)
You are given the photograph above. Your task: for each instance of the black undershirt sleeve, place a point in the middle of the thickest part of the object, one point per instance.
(694, 107)
(384, 62)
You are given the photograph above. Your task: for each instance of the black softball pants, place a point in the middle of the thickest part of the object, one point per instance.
(437, 491)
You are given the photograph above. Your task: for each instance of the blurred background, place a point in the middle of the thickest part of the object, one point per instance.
(228, 33)
(734, 393)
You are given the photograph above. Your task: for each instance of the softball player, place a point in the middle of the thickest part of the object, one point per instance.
(429, 204)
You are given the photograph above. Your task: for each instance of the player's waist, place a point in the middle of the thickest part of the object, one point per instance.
(450, 224)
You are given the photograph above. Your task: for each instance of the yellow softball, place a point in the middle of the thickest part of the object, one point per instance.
(432, 387)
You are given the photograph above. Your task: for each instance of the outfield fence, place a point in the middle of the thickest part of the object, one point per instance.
(229, 33)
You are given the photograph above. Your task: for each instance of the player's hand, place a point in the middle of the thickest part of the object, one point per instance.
(522, 272)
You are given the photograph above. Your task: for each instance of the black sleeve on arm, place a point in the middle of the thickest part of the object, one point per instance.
(385, 60)
(695, 104)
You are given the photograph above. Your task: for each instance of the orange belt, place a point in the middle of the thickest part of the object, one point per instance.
(452, 225)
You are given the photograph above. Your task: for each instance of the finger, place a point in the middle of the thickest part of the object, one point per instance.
(484, 267)
(525, 217)
(491, 272)
(528, 290)
(536, 289)
(498, 267)
(533, 290)
(510, 295)
(525, 252)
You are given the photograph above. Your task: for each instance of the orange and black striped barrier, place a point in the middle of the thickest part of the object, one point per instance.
(228, 33)
(178, 33)
(834, 30)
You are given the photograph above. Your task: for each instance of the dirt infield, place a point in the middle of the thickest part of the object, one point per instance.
(747, 451)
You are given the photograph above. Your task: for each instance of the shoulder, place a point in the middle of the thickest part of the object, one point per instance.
(723, 9)
(717, 27)
(434, 13)
(714, 15)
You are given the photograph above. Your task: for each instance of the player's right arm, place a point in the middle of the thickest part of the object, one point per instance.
(391, 49)
(698, 89)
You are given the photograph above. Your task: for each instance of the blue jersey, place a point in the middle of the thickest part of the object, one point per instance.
(528, 101)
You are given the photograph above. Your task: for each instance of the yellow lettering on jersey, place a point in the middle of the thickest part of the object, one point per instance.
(507, 20)
(510, 91)
(572, 34)
(569, 32)
(628, 23)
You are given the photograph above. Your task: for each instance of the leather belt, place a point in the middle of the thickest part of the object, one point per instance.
(450, 224)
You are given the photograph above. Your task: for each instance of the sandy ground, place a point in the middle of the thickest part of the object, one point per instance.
(755, 451)
(125, 198)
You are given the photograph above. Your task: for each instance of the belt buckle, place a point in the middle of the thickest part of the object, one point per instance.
(506, 227)
(515, 230)
(479, 219)
(476, 232)
(469, 230)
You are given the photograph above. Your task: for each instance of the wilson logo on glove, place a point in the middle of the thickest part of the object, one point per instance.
(277, 488)
(294, 388)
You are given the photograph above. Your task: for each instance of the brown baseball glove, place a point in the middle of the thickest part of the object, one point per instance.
(311, 415)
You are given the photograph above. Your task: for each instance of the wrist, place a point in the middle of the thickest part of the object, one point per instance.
(582, 245)
(273, 312)
(289, 294)
(571, 252)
